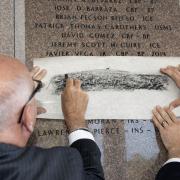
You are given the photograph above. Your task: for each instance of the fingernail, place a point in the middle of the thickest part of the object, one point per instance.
(43, 110)
(163, 69)
(31, 127)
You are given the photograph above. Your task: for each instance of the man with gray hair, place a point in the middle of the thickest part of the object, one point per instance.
(18, 111)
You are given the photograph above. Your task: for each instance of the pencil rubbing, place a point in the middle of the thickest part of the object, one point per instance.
(99, 80)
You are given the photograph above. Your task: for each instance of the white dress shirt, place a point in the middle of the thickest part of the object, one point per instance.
(172, 160)
(80, 134)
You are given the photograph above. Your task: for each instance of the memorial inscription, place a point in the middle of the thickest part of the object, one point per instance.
(102, 27)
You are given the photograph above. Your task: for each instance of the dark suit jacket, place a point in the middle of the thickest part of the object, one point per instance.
(81, 161)
(170, 171)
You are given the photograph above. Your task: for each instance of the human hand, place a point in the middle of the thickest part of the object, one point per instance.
(74, 104)
(174, 104)
(38, 74)
(169, 127)
(173, 72)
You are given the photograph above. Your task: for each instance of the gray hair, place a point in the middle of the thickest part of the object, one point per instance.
(13, 95)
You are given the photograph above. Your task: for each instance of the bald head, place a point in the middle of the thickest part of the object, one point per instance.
(10, 68)
(15, 88)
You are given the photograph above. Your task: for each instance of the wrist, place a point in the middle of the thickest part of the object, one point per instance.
(78, 126)
(74, 124)
(81, 128)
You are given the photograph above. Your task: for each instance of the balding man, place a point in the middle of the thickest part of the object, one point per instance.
(18, 111)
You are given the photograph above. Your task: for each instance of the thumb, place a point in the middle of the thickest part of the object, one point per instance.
(41, 110)
(174, 104)
(163, 70)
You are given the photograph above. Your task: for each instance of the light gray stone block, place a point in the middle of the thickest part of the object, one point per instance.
(7, 27)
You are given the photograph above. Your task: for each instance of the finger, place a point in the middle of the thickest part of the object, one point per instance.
(173, 68)
(40, 75)
(41, 110)
(174, 104)
(156, 123)
(164, 115)
(172, 72)
(77, 83)
(163, 70)
(172, 115)
(86, 97)
(34, 70)
(69, 83)
(158, 116)
(166, 109)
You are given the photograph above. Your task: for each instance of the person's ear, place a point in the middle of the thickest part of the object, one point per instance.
(29, 116)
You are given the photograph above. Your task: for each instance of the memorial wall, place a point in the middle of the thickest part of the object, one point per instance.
(131, 149)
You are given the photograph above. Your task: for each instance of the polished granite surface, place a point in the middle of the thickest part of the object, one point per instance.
(131, 149)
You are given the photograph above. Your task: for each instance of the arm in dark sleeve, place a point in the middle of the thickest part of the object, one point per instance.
(91, 156)
(170, 171)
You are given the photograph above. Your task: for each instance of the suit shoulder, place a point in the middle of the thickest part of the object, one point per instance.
(57, 149)
(169, 171)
